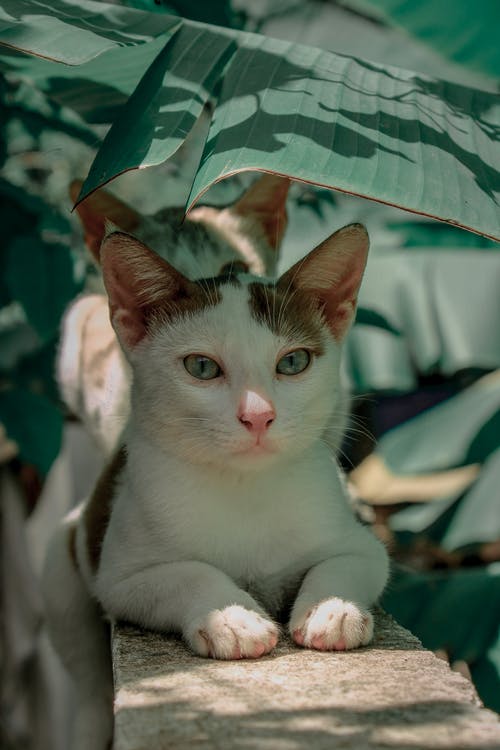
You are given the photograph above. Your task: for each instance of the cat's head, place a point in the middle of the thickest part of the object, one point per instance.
(234, 371)
(247, 233)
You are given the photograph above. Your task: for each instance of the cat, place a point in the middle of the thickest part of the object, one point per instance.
(223, 513)
(92, 373)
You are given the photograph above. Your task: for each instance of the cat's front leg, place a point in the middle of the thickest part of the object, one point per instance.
(215, 616)
(331, 612)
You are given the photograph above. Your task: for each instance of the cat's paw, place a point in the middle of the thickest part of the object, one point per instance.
(333, 625)
(233, 633)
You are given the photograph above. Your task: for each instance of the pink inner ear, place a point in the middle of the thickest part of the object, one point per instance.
(339, 316)
(340, 300)
(127, 315)
(332, 273)
(132, 276)
(130, 326)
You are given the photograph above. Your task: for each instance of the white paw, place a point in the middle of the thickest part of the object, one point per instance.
(333, 625)
(233, 633)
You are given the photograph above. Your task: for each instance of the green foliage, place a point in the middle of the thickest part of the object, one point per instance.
(430, 234)
(40, 276)
(351, 125)
(368, 317)
(74, 33)
(37, 280)
(218, 12)
(461, 31)
(458, 612)
(34, 423)
(37, 273)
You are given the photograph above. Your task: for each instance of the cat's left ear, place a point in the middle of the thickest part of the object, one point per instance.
(140, 285)
(264, 203)
(331, 274)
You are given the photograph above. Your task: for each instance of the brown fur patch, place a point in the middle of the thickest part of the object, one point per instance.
(98, 510)
(72, 547)
(288, 312)
(202, 293)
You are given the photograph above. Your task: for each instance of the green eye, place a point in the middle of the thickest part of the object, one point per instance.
(293, 362)
(202, 368)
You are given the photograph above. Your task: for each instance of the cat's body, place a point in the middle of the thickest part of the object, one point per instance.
(224, 511)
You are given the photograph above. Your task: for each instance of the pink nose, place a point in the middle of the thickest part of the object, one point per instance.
(255, 413)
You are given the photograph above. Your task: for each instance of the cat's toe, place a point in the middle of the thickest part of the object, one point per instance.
(333, 625)
(234, 633)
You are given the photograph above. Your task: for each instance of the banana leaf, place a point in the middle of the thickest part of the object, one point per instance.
(383, 133)
(461, 32)
(75, 32)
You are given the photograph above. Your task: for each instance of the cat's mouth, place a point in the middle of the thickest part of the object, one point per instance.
(260, 447)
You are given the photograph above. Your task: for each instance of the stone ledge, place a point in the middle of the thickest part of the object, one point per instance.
(393, 694)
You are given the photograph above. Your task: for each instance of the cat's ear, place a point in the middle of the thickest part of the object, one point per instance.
(331, 274)
(96, 209)
(139, 284)
(265, 204)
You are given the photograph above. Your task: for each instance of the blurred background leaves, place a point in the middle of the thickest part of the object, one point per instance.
(217, 100)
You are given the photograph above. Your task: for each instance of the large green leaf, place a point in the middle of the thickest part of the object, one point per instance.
(428, 234)
(165, 105)
(347, 124)
(97, 89)
(102, 67)
(379, 132)
(462, 32)
(75, 32)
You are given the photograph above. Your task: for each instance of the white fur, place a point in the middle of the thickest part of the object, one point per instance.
(201, 517)
(208, 538)
(92, 372)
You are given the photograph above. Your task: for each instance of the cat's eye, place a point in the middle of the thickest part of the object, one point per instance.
(293, 362)
(202, 368)
(234, 266)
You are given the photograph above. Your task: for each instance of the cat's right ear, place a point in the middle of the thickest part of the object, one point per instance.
(140, 285)
(96, 209)
(331, 275)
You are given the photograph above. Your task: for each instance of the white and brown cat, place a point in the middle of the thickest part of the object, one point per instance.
(223, 513)
(93, 375)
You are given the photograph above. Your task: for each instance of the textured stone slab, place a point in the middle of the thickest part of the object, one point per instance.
(393, 694)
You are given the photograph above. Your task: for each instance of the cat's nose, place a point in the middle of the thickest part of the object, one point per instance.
(255, 413)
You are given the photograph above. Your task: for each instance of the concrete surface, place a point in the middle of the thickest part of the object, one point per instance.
(393, 694)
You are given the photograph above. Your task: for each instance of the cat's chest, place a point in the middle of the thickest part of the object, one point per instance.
(264, 527)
